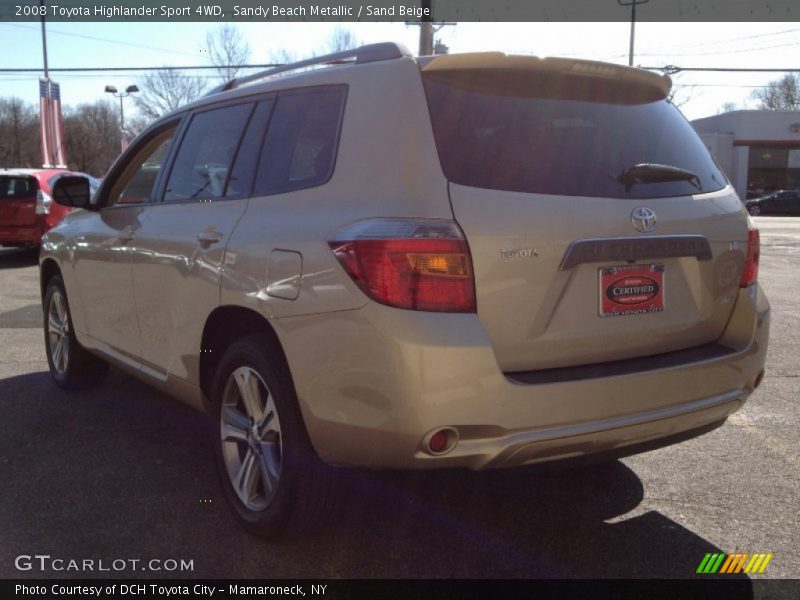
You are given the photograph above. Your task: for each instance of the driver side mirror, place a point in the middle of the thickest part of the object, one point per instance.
(73, 191)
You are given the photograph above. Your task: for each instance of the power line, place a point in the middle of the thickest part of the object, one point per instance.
(162, 68)
(11, 79)
(666, 69)
(718, 52)
(672, 69)
(724, 41)
(100, 39)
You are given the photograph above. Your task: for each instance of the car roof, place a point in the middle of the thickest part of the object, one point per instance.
(312, 69)
(33, 172)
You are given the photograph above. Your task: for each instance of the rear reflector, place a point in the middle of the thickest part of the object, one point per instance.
(440, 442)
(750, 272)
(417, 264)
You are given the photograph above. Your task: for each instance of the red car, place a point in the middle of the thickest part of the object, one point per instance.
(26, 209)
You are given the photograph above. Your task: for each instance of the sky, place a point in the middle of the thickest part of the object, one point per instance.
(733, 45)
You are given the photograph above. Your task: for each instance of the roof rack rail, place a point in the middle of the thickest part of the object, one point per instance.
(364, 54)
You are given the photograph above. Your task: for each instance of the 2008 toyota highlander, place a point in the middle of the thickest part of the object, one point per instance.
(472, 260)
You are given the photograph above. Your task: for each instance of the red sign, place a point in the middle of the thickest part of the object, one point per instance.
(631, 290)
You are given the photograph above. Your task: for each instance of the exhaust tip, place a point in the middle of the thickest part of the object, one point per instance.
(440, 441)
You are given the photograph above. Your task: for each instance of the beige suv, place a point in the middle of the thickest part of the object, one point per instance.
(378, 261)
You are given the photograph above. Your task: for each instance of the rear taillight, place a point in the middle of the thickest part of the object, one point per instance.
(43, 202)
(750, 273)
(418, 264)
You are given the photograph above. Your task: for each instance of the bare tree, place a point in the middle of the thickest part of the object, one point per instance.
(727, 107)
(681, 94)
(779, 94)
(282, 57)
(91, 135)
(164, 91)
(227, 49)
(341, 39)
(136, 124)
(19, 134)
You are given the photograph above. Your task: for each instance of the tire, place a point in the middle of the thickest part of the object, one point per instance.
(754, 210)
(72, 367)
(272, 478)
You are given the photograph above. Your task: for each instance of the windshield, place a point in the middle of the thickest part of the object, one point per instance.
(564, 147)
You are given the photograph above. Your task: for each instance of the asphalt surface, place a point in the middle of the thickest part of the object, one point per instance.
(123, 472)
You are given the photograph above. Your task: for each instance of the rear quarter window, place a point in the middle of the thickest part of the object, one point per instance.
(559, 146)
(300, 147)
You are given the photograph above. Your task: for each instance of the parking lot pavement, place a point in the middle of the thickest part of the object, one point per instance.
(122, 471)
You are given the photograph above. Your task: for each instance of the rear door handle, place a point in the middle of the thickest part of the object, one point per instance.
(209, 236)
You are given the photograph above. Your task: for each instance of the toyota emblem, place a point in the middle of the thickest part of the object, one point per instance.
(643, 219)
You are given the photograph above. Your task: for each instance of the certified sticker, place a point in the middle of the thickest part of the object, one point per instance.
(631, 290)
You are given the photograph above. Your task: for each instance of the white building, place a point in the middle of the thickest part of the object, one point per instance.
(759, 150)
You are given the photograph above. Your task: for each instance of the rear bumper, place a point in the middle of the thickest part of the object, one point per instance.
(13, 235)
(372, 383)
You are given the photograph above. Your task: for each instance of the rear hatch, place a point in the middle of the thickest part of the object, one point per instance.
(599, 226)
(17, 200)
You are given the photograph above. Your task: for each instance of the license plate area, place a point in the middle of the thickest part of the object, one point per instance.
(631, 290)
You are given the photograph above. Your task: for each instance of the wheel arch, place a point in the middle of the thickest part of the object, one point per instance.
(47, 270)
(224, 326)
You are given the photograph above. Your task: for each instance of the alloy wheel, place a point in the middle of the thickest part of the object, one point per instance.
(58, 332)
(250, 432)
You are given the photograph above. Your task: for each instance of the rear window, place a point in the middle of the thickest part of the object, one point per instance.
(570, 147)
(17, 187)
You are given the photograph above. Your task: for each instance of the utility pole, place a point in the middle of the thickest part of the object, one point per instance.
(632, 4)
(44, 42)
(426, 28)
(425, 37)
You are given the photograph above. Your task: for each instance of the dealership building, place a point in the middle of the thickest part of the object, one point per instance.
(759, 150)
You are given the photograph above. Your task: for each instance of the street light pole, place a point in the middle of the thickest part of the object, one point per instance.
(632, 4)
(110, 89)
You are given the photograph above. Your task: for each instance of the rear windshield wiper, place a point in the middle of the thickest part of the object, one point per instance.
(655, 173)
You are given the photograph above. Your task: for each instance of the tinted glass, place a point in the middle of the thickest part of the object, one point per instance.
(17, 187)
(139, 179)
(563, 147)
(200, 170)
(244, 168)
(300, 147)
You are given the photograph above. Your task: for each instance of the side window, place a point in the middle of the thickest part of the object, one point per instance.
(299, 150)
(138, 180)
(201, 166)
(244, 168)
